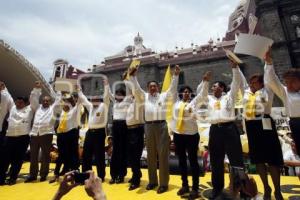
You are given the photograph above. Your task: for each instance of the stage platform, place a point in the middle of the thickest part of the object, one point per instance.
(45, 191)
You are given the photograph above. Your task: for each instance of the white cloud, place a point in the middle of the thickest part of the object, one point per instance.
(84, 32)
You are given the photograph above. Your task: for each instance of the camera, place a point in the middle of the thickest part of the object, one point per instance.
(80, 177)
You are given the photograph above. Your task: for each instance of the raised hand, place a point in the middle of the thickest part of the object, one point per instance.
(93, 187)
(177, 70)
(268, 58)
(207, 76)
(124, 75)
(233, 63)
(67, 184)
(105, 81)
(133, 71)
(2, 85)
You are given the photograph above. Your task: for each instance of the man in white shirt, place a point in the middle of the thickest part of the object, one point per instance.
(17, 136)
(292, 160)
(5, 103)
(118, 164)
(68, 134)
(41, 138)
(224, 137)
(288, 93)
(157, 137)
(135, 135)
(94, 143)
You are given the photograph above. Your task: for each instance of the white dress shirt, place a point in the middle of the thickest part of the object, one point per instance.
(19, 120)
(73, 116)
(98, 115)
(291, 156)
(155, 105)
(44, 119)
(135, 111)
(120, 108)
(291, 100)
(6, 102)
(190, 126)
(263, 101)
(226, 113)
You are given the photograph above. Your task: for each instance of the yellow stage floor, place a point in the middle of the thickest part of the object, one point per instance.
(45, 191)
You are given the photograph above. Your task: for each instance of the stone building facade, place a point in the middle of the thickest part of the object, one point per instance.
(277, 19)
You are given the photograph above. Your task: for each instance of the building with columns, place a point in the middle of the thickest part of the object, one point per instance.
(277, 19)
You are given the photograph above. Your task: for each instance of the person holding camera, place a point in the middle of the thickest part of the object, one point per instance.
(92, 186)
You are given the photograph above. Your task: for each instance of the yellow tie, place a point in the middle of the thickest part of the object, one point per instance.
(250, 106)
(62, 127)
(217, 105)
(180, 121)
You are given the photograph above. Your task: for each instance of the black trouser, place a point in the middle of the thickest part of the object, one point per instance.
(67, 144)
(295, 129)
(188, 144)
(223, 139)
(135, 145)
(44, 143)
(14, 151)
(118, 165)
(94, 144)
(59, 160)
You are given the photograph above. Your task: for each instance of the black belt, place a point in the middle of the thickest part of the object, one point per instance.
(155, 122)
(294, 118)
(95, 130)
(134, 126)
(259, 117)
(224, 124)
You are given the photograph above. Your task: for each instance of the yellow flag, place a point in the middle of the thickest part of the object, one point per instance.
(134, 63)
(167, 80)
(165, 87)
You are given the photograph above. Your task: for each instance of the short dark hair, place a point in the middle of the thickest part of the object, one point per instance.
(181, 90)
(22, 98)
(222, 84)
(121, 91)
(259, 77)
(292, 73)
(149, 82)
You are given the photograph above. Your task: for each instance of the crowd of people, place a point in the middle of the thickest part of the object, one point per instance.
(139, 114)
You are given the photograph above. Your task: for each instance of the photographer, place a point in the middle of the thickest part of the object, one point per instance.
(93, 186)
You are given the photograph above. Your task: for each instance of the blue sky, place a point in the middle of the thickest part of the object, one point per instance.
(85, 31)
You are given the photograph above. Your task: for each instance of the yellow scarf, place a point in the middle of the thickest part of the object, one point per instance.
(180, 121)
(62, 127)
(250, 105)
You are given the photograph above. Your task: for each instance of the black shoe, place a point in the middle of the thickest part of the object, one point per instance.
(267, 194)
(30, 179)
(183, 190)
(120, 180)
(11, 182)
(151, 186)
(43, 178)
(112, 181)
(162, 189)
(2, 182)
(214, 194)
(54, 179)
(194, 194)
(278, 195)
(133, 186)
